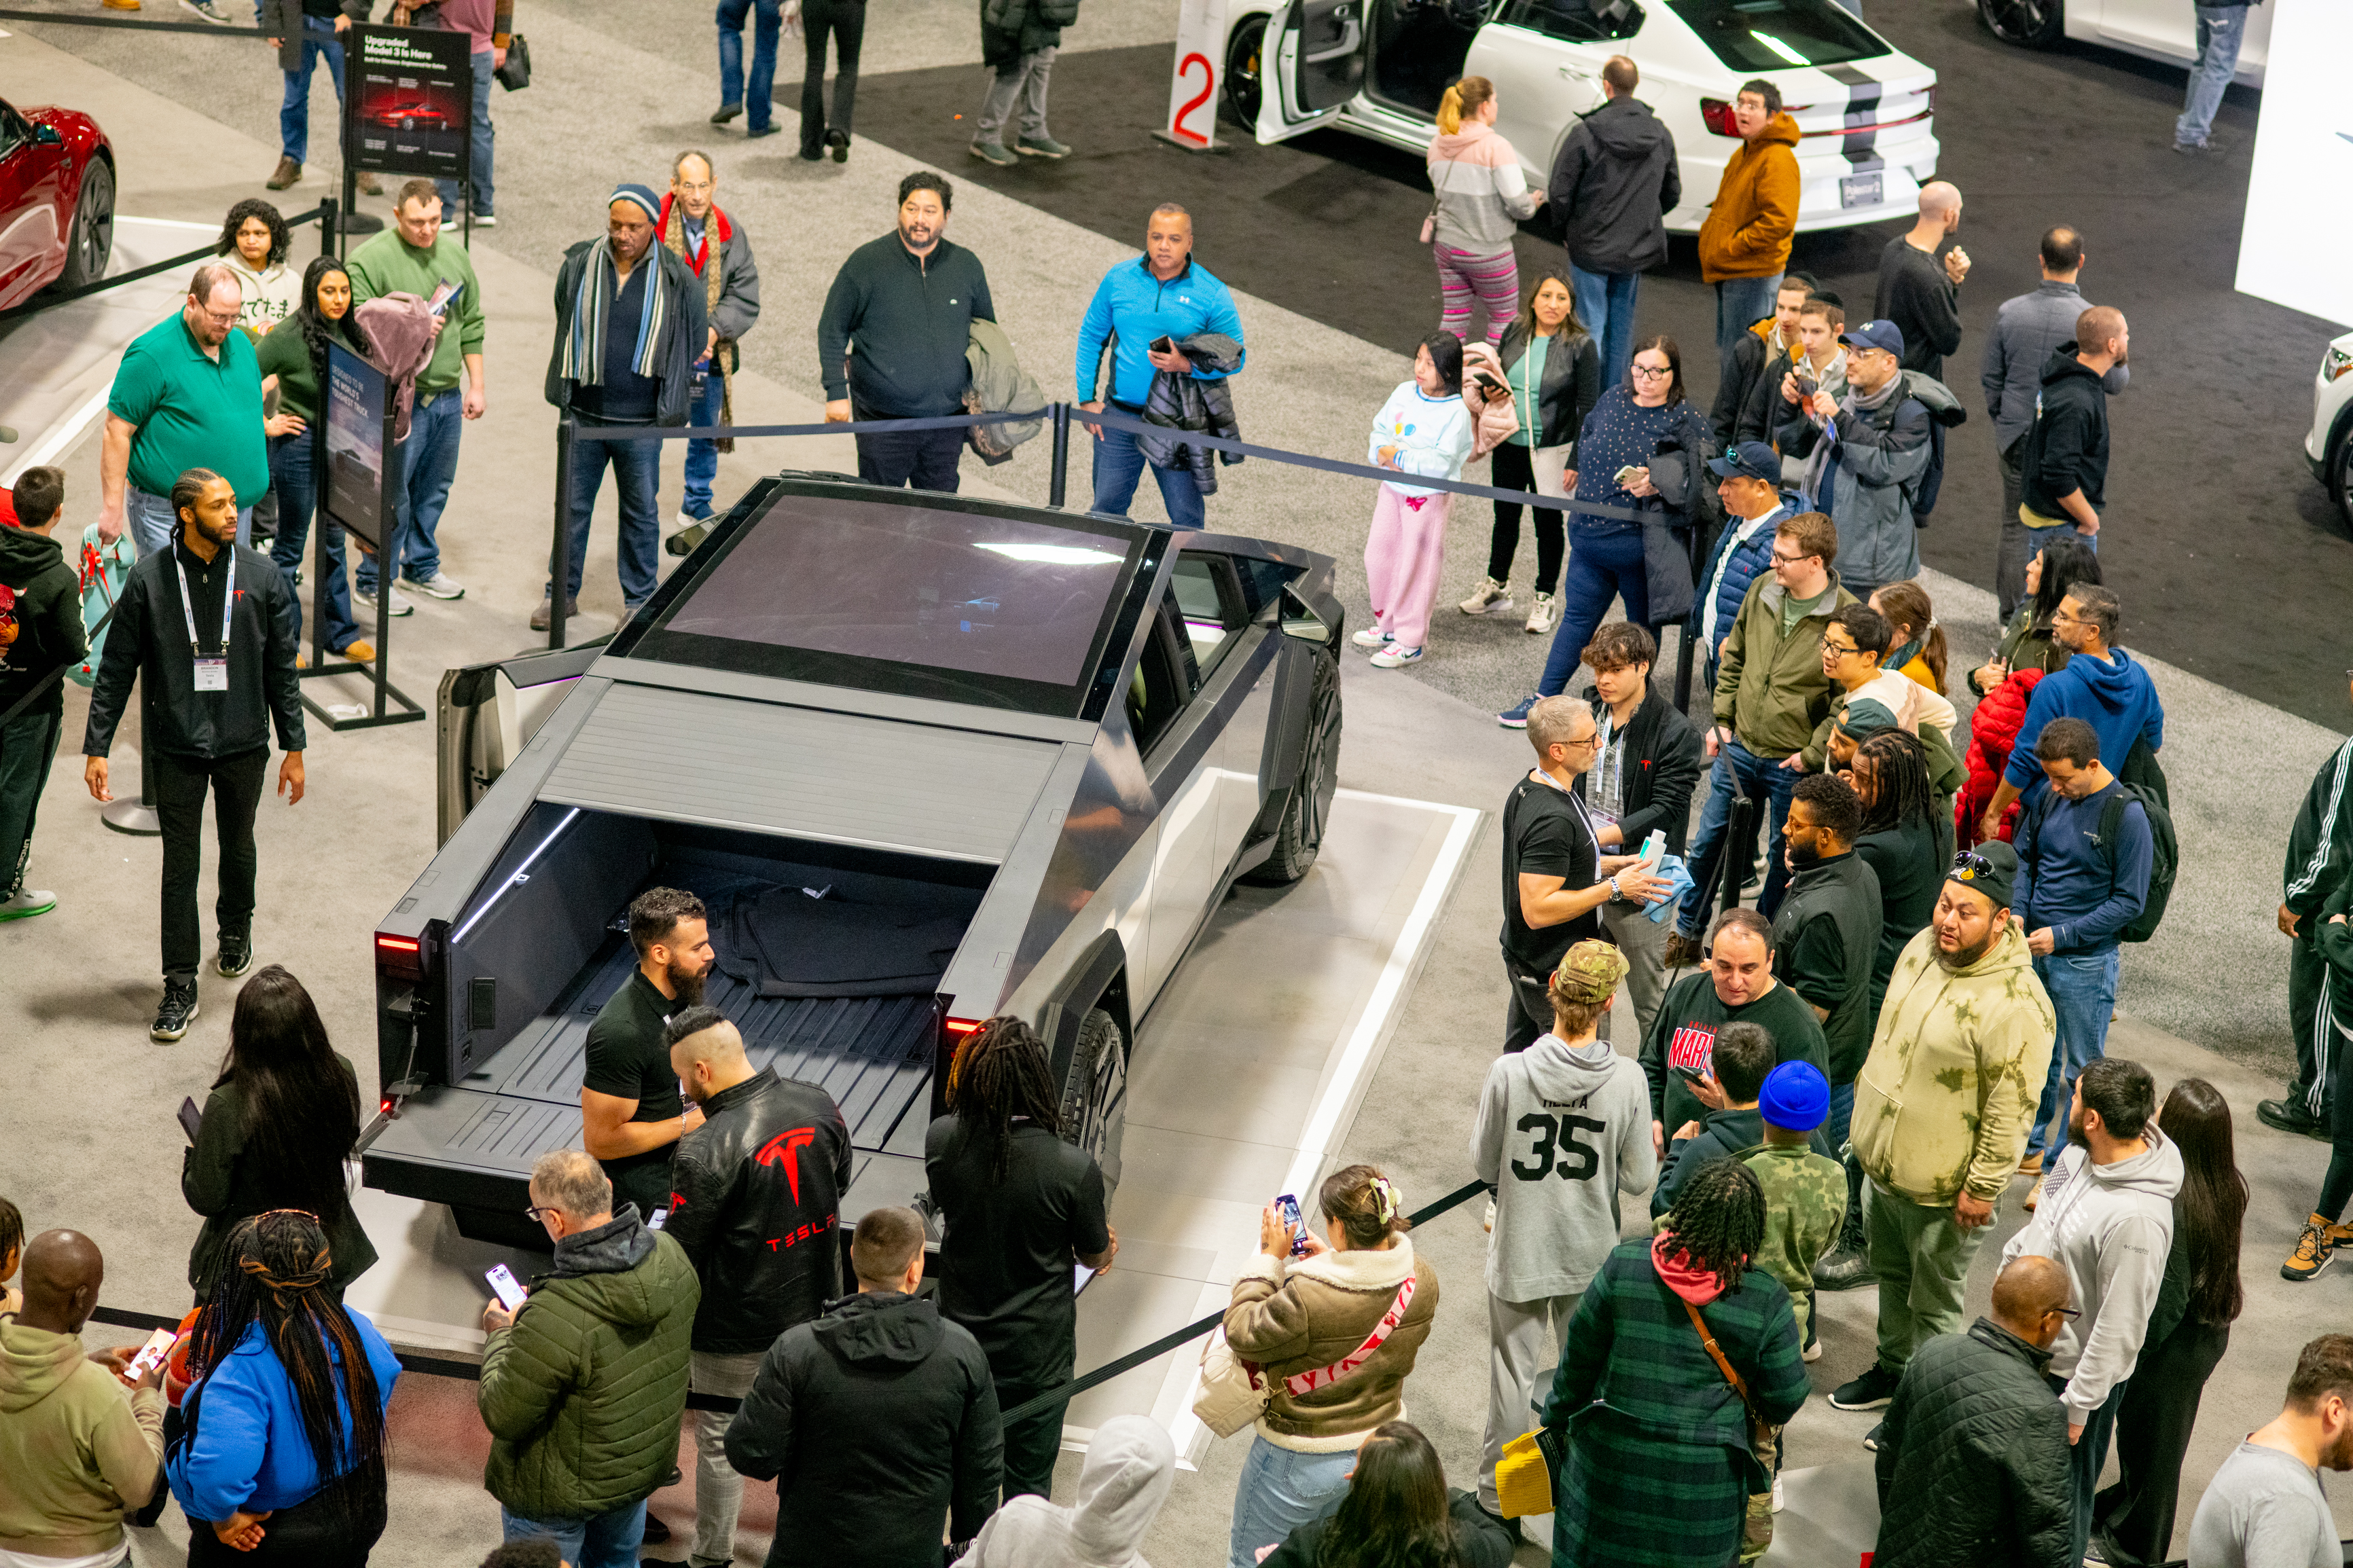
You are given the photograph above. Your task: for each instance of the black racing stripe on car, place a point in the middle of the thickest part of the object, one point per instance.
(1863, 124)
(1850, 75)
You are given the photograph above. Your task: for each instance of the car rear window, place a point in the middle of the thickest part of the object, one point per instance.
(1777, 34)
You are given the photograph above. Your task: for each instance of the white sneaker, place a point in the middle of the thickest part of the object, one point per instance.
(1812, 1352)
(211, 12)
(1544, 616)
(1390, 658)
(1776, 1494)
(400, 606)
(441, 586)
(1372, 636)
(1488, 596)
(28, 901)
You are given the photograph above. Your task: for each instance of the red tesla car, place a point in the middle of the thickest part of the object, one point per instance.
(415, 115)
(56, 201)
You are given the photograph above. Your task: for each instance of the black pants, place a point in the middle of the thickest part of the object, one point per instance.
(1514, 469)
(180, 784)
(846, 20)
(1032, 1442)
(26, 747)
(2134, 1518)
(923, 459)
(304, 1536)
(2308, 995)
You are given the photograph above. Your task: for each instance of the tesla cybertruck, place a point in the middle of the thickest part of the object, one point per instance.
(927, 759)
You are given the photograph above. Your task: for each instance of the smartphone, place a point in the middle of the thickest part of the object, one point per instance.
(1164, 344)
(1622, 475)
(190, 1118)
(1288, 1206)
(656, 1220)
(1807, 381)
(502, 1284)
(1689, 1075)
(150, 1355)
(1080, 1275)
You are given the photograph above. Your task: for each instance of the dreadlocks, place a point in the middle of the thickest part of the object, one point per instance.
(278, 1280)
(1899, 781)
(1719, 1219)
(1002, 1073)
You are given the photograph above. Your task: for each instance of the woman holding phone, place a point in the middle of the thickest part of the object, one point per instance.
(2026, 643)
(1423, 430)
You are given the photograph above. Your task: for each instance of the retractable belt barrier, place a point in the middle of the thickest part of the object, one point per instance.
(442, 1366)
(217, 29)
(323, 213)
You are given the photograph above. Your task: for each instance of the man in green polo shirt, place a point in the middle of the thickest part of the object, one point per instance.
(414, 255)
(186, 396)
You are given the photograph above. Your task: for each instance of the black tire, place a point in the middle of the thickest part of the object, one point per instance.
(2336, 472)
(2029, 24)
(91, 242)
(1245, 52)
(407, 123)
(1094, 1095)
(1299, 834)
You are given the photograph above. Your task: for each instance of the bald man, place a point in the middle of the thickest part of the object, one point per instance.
(1920, 275)
(78, 1448)
(1975, 1443)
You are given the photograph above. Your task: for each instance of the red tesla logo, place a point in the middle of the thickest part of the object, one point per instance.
(781, 1150)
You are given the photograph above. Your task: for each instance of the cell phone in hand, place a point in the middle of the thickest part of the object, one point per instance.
(510, 1295)
(151, 1355)
(1164, 344)
(1624, 474)
(657, 1219)
(1688, 1074)
(1288, 1206)
(190, 1118)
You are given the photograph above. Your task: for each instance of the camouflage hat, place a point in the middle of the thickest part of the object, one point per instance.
(1589, 972)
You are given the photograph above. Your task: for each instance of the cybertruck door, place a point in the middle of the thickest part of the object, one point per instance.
(1313, 63)
(487, 713)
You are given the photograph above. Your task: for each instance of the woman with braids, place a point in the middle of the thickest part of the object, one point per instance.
(2188, 1330)
(293, 362)
(1024, 1209)
(1658, 1467)
(1399, 1514)
(283, 1116)
(281, 1457)
(1898, 842)
(1335, 1327)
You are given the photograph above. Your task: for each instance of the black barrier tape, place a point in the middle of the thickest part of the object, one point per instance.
(436, 1366)
(203, 253)
(63, 20)
(837, 427)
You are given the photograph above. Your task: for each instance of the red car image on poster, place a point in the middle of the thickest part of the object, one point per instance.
(414, 114)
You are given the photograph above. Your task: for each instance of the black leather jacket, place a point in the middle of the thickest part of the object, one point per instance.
(756, 1204)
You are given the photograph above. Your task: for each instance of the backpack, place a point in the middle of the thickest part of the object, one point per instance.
(1944, 410)
(2165, 847)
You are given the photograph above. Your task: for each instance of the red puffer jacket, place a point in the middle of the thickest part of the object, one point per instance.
(1993, 729)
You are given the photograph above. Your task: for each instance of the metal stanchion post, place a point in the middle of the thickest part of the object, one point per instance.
(1738, 824)
(1057, 484)
(328, 209)
(559, 577)
(138, 816)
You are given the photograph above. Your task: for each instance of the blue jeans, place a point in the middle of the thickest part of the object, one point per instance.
(427, 462)
(602, 1541)
(298, 493)
(150, 522)
(294, 114)
(702, 457)
(758, 103)
(479, 142)
(637, 472)
(1281, 1491)
(1740, 305)
(2083, 991)
(1758, 777)
(1120, 464)
(2088, 1456)
(2220, 28)
(1604, 303)
(1840, 1124)
(1602, 566)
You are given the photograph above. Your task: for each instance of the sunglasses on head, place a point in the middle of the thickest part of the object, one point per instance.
(1969, 863)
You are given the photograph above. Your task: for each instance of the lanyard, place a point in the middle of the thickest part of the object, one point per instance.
(187, 611)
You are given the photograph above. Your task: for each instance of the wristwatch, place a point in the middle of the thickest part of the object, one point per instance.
(1617, 895)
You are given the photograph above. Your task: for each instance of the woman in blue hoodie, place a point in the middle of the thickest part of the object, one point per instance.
(281, 1460)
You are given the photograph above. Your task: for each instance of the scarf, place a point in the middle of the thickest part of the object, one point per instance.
(716, 232)
(1680, 1274)
(1898, 658)
(1814, 484)
(584, 349)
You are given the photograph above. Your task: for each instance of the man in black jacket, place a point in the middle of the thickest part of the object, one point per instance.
(892, 339)
(1975, 1445)
(40, 633)
(2064, 466)
(1646, 764)
(877, 1422)
(209, 628)
(756, 1204)
(1744, 408)
(1614, 183)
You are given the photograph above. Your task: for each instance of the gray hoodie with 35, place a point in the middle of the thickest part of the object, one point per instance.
(2110, 1226)
(1563, 1129)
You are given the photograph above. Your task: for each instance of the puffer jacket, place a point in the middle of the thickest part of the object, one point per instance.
(1488, 395)
(999, 386)
(1770, 685)
(1735, 564)
(1686, 500)
(1748, 228)
(1183, 403)
(583, 1392)
(1976, 1446)
(1993, 729)
(1299, 1315)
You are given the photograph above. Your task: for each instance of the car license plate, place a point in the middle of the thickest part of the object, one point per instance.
(1859, 190)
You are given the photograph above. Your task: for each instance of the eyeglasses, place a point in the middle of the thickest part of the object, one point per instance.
(2058, 616)
(1588, 741)
(538, 1209)
(2070, 1313)
(1780, 559)
(1837, 649)
(218, 317)
(1649, 374)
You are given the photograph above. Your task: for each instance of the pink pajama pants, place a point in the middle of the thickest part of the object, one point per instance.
(1495, 279)
(1403, 556)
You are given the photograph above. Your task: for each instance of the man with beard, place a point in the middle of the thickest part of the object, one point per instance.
(631, 1115)
(1942, 1105)
(2266, 1507)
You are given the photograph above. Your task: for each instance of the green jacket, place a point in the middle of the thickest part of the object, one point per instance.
(584, 1393)
(1770, 685)
(1805, 1203)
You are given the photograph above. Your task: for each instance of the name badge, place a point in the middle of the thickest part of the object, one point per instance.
(212, 675)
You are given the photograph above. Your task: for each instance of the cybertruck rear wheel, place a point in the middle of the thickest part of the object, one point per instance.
(1094, 1095)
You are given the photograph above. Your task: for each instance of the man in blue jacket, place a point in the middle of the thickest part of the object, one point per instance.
(1160, 297)
(2109, 693)
(2075, 892)
(1749, 479)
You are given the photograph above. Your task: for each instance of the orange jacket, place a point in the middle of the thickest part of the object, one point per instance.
(1748, 231)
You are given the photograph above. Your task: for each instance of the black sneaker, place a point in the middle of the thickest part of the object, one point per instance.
(179, 1009)
(1874, 1390)
(2291, 1115)
(656, 1530)
(1870, 1438)
(235, 955)
(1845, 1269)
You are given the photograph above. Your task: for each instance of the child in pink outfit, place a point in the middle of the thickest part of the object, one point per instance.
(1424, 429)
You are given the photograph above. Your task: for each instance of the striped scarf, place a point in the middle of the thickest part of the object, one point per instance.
(584, 350)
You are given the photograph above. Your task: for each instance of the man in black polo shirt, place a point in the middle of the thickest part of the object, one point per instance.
(631, 1114)
(1555, 878)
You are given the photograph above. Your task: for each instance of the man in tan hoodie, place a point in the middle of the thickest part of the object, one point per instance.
(1942, 1107)
(78, 1450)
(1744, 242)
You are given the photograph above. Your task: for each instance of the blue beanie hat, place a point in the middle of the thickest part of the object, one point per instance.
(1796, 1096)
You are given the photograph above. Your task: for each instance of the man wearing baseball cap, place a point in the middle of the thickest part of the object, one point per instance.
(1865, 455)
(1943, 1106)
(1748, 482)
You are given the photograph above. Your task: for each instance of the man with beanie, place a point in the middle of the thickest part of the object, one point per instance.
(1805, 1189)
(1562, 1131)
(40, 631)
(1941, 1108)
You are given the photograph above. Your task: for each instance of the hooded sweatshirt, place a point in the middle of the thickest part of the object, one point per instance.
(2110, 1226)
(244, 1446)
(1911, 703)
(1749, 226)
(40, 618)
(1946, 1098)
(2067, 446)
(2113, 695)
(78, 1450)
(1129, 1469)
(1616, 179)
(1421, 434)
(1480, 190)
(1552, 1119)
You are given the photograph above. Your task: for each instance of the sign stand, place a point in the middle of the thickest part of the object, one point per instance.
(138, 818)
(356, 419)
(1199, 76)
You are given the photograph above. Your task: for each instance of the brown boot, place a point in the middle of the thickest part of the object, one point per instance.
(288, 170)
(370, 186)
(120, 5)
(1681, 951)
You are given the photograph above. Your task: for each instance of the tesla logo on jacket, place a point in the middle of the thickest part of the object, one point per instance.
(784, 1150)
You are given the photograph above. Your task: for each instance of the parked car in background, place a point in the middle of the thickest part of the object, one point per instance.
(2155, 29)
(2328, 447)
(56, 201)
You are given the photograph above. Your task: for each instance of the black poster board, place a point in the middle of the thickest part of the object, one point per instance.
(408, 101)
(356, 398)
(355, 449)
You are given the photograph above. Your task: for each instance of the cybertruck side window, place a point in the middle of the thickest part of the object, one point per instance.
(1209, 606)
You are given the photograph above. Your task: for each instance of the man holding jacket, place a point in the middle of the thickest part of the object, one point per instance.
(1615, 179)
(2063, 469)
(40, 632)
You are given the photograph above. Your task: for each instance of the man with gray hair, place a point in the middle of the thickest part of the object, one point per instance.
(1555, 878)
(584, 1383)
(186, 396)
(700, 233)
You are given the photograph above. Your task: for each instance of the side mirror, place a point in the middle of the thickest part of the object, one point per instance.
(1299, 621)
(48, 136)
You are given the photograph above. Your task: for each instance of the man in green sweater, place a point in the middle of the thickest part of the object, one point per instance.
(414, 256)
